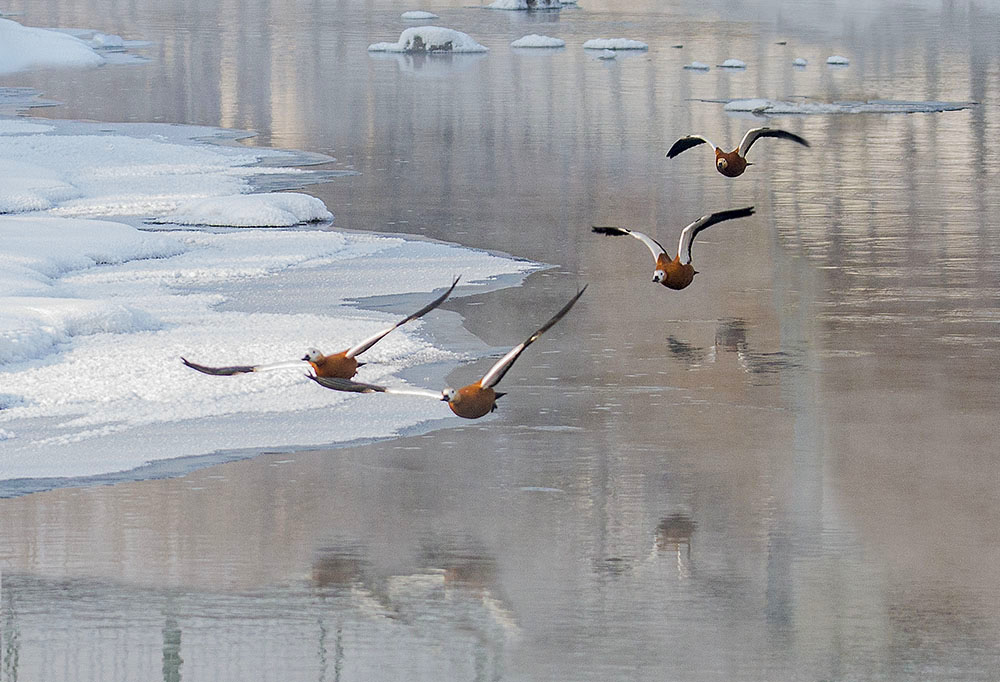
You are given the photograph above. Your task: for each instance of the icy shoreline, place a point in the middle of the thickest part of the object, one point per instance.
(98, 309)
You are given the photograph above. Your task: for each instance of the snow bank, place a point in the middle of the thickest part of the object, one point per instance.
(81, 170)
(418, 15)
(614, 44)
(94, 314)
(430, 39)
(733, 64)
(251, 210)
(804, 106)
(535, 40)
(23, 48)
(525, 4)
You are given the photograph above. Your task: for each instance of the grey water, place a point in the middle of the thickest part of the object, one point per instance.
(787, 471)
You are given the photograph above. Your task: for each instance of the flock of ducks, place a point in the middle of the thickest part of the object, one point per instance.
(337, 371)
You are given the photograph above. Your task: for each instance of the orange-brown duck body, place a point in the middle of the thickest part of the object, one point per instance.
(337, 365)
(676, 275)
(473, 401)
(730, 164)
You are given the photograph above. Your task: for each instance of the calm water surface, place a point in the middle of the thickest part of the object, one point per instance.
(787, 471)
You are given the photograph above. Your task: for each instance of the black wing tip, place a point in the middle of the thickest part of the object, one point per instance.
(608, 230)
(683, 144)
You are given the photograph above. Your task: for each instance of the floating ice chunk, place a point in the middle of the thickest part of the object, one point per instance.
(614, 44)
(282, 209)
(535, 40)
(525, 4)
(799, 61)
(733, 64)
(23, 48)
(837, 60)
(606, 54)
(804, 106)
(697, 66)
(430, 39)
(418, 15)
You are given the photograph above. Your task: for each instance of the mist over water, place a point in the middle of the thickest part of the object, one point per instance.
(786, 471)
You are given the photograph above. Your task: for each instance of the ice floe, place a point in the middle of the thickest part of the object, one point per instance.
(614, 44)
(837, 60)
(525, 4)
(274, 209)
(94, 313)
(805, 106)
(733, 64)
(418, 15)
(535, 40)
(430, 39)
(800, 61)
(697, 66)
(23, 48)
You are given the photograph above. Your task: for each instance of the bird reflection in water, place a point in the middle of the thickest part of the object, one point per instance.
(673, 533)
(731, 337)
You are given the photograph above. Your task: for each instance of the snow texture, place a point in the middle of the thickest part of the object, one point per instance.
(535, 40)
(282, 209)
(23, 48)
(614, 44)
(430, 39)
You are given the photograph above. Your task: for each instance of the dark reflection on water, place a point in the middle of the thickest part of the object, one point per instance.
(786, 471)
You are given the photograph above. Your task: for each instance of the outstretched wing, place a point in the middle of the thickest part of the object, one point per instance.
(685, 143)
(358, 387)
(244, 369)
(493, 377)
(371, 341)
(650, 243)
(691, 231)
(754, 133)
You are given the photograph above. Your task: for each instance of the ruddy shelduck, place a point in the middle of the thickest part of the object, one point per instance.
(470, 402)
(343, 365)
(676, 272)
(732, 164)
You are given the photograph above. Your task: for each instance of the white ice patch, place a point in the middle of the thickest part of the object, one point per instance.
(697, 66)
(430, 39)
(799, 61)
(525, 4)
(614, 44)
(76, 169)
(23, 48)
(733, 64)
(804, 106)
(417, 14)
(282, 209)
(535, 40)
(837, 60)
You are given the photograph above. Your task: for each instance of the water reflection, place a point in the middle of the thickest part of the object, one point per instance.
(833, 452)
